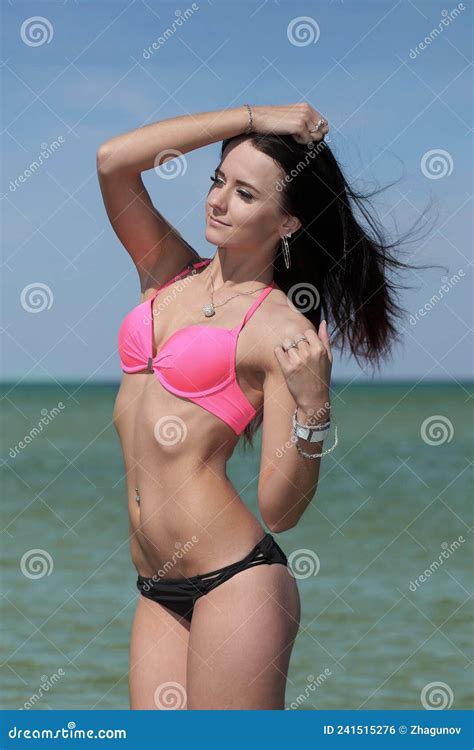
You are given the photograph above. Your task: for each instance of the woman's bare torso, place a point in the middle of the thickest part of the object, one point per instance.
(190, 518)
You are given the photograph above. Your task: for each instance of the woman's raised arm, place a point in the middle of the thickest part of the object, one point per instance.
(155, 246)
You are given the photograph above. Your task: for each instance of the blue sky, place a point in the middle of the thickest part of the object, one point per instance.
(396, 109)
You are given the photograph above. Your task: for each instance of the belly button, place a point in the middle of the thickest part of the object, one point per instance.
(137, 496)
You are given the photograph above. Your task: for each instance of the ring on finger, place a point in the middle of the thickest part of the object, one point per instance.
(295, 343)
(321, 122)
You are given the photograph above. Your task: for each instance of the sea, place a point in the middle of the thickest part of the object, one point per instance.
(382, 555)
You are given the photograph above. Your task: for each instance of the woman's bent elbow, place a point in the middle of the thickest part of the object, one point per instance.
(277, 528)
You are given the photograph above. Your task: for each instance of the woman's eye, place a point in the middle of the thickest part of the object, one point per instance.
(214, 178)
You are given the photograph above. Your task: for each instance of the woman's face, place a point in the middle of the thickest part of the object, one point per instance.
(251, 213)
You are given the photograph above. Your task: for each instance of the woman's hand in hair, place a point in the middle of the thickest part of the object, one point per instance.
(289, 119)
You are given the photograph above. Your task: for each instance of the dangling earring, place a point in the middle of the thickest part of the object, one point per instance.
(286, 249)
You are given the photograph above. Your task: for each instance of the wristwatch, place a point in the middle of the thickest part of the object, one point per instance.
(313, 434)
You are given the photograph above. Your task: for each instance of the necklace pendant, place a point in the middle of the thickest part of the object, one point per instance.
(208, 310)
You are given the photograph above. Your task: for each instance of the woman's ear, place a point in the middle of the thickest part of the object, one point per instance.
(297, 225)
(290, 225)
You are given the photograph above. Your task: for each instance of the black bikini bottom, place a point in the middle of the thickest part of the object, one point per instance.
(180, 594)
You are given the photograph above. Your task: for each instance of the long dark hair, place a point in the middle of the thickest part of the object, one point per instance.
(341, 268)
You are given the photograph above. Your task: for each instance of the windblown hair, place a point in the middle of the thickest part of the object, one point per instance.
(337, 265)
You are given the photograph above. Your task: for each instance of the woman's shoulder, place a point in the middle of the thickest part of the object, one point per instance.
(283, 314)
(282, 320)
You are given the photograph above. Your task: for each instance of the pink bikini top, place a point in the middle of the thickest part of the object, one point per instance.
(196, 362)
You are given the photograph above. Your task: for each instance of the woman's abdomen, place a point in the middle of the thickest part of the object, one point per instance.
(202, 526)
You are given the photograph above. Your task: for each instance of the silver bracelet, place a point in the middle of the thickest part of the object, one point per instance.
(302, 430)
(313, 434)
(250, 125)
(318, 455)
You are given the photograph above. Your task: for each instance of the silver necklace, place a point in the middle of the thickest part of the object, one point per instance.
(209, 308)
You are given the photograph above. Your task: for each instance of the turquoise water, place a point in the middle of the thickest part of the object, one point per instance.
(373, 634)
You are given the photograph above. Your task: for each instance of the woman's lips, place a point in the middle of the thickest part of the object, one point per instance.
(216, 221)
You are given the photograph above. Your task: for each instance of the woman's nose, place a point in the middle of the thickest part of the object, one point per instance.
(217, 203)
(217, 199)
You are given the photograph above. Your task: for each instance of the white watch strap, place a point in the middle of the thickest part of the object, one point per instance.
(313, 434)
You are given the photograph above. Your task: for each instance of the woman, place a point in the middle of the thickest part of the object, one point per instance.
(219, 609)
